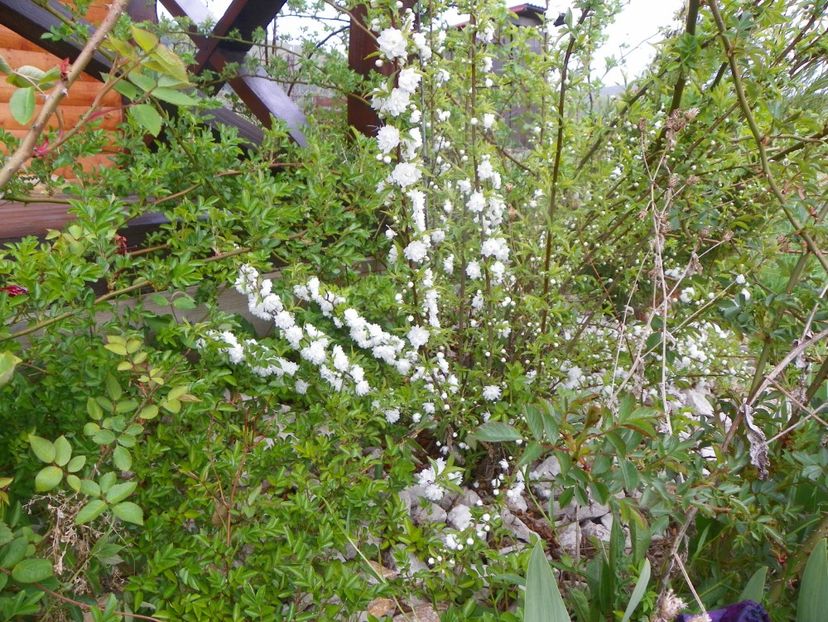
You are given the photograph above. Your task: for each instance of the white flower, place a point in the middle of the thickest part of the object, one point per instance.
(392, 43)
(362, 388)
(388, 138)
(473, 270)
(395, 104)
(488, 120)
(574, 376)
(315, 352)
(495, 247)
(740, 279)
(405, 174)
(448, 264)
(420, 41)
(476, 202)
(485, 170)
(491, 392)
(392, 415)
(687, 294)
(418, 336)
(408, 80)
(301, 387)
(416, 251)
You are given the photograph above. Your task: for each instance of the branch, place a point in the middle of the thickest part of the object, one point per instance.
(60, 90)
(754, 129)
(556, 167)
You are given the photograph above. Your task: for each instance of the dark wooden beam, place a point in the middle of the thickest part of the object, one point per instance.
(360, 46)
(244, 16)
(262, 95)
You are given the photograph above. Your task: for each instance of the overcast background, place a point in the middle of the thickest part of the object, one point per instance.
(633, 37)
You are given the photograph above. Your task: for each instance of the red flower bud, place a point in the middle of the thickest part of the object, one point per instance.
(64, 69)
(120, 244)
(14, 290)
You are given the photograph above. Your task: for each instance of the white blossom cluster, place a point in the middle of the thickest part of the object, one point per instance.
(311, 343)
(430, 479)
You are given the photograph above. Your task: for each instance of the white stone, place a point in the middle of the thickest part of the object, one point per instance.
(431, 513)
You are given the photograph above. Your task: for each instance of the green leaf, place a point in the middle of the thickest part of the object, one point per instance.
(113, 387)
(48, 478)
(496, 432)
(149, 412)
(93, 409)
(63, 451)
(90, 488)
(107, 480)
(119, 348)
(813, 590)
(534, 418)
(129, 512)
(638, 591)
(6, 534)
(8, 362)
(142, 81)
(755, 588)
(174, 97)
(43, 449)
(76, 464)
(90, 511)
(22, 105)
(4, 66)
(14, 552)
(103, 437)
(176, 392)
(148, 118)
(122, 459)
(74, 482)
(543, 600)
(146, 40)
(119, 492)
(174, 406)
(32, 571)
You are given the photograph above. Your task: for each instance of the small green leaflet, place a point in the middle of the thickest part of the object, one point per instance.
(22, 105)
(147, 117)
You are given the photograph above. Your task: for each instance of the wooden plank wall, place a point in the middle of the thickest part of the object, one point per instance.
(18, 51)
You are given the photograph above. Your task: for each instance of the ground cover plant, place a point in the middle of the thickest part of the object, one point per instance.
(528, 353)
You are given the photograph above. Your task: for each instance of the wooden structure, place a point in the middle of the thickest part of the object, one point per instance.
(18, 50)
(24, 22)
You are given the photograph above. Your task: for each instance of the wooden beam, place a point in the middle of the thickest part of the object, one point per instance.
(38, 217)
(260, 93)
(244, 16)
(360, 46)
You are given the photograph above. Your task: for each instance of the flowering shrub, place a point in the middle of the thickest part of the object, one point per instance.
(518, 314)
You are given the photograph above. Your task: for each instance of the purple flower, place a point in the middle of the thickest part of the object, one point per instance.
(745, 611)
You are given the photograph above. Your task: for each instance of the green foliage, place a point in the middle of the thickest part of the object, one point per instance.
(151, 464)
